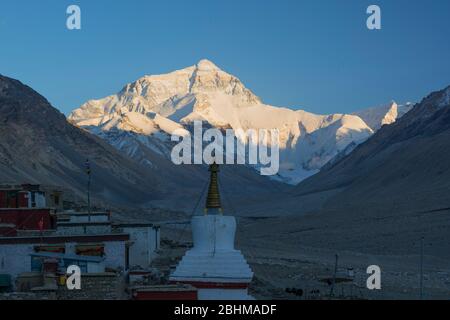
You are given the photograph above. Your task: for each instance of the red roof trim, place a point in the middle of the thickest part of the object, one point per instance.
(64, 239)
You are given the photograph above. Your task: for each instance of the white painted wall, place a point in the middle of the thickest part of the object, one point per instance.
(95, 267)
(40, 200)
(84, 218)
(15, 258)
(144, 243)
(213, 233)
(115, 254)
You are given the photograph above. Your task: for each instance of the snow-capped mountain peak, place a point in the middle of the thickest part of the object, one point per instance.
(145, 112)
(376, 117)
(206, 65)
(167, 94)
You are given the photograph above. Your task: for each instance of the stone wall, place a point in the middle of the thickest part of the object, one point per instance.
(101, 286)
(45, 295)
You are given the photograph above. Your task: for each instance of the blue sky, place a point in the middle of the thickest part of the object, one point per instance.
(315, 55)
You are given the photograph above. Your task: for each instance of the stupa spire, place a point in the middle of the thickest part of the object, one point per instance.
(213, 198)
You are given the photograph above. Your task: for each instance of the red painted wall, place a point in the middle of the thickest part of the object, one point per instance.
(3, 199)
(8, 232)
(23, 199)
(11, 202)
(27, 219)
(20, 200)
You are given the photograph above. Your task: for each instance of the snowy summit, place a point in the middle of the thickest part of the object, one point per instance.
(144, 113)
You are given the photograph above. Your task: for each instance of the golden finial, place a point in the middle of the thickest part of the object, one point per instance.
(213, 199)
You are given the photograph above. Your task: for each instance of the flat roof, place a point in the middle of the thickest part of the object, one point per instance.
(64, 239)
(82, 224)
(165, 288)
(74, 213)
(67, 256)
(25, 209)
(135, 225)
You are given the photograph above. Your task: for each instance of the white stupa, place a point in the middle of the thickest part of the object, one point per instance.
(213, 265)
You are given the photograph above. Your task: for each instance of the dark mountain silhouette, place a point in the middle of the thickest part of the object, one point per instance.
(38, 145)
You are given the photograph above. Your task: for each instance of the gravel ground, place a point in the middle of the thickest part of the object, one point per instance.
(280, 262)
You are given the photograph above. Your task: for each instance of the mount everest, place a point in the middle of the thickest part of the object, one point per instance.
(143, 115)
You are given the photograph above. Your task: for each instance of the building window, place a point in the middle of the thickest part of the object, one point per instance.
(56, 199)
(50, 248)
(12, 199)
